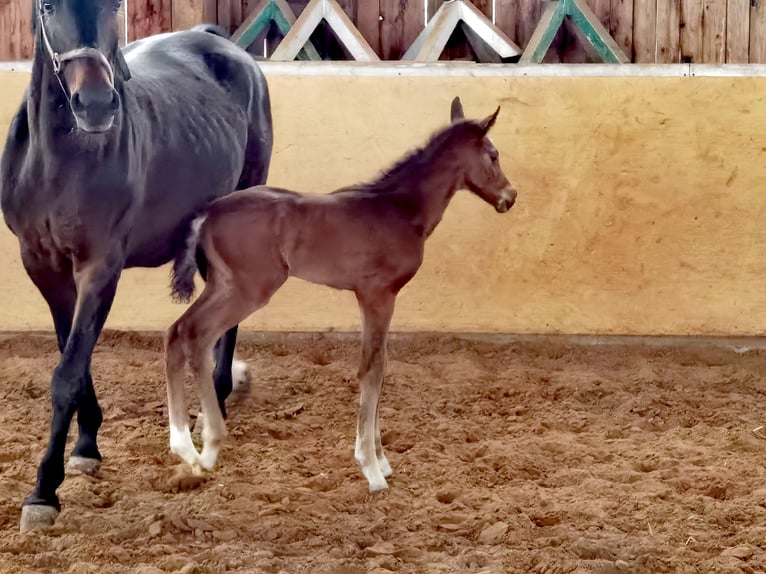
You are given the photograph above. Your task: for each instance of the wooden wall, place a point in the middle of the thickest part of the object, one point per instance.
(662, 31)
(639, 210)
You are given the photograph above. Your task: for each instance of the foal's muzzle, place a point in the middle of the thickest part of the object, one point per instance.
(92, 96)
(506, 201)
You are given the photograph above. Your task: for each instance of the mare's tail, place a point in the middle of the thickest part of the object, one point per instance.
(212, 29)
(186, 264)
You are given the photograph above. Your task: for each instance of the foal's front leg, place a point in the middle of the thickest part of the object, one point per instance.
(377, 309)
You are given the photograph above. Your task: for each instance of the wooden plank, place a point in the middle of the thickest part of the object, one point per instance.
(546, 30)
(347, 33)
(433, 6)
(598, 37)
(224, 14)
(714, 31)
(758, 33)
(14, 28)
(737, 31)
(402, 21)
(368, 22)
(148, 17)
(645, 31)
(669, 31)
(691, 31)
(488, 41)
(508, 19)
(430, 43)
(621, 25)
(602, 9)
(189, 13)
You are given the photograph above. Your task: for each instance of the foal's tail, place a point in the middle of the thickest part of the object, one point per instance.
(186, 265)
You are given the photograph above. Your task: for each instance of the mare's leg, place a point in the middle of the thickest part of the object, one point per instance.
(58, 288)
(195, 332)
(377, 309)
(224, 364)
(71, 387)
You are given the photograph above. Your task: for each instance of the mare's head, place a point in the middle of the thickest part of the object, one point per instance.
(79, 40)
(482, 171)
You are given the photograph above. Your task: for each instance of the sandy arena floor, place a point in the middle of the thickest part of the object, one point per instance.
(523, 457)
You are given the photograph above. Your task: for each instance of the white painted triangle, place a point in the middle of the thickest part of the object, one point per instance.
(338, 21)
(431, 41)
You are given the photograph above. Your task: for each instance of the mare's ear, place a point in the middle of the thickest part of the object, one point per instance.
(488, 122)
(456, 111)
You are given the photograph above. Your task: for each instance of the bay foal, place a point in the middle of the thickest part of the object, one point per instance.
(366, 238)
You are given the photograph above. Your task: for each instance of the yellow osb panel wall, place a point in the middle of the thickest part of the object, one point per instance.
(642, 207)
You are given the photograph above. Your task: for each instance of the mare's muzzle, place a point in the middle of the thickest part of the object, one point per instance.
(90, 79)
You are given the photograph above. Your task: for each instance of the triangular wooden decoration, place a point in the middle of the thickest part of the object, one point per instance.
(266, 12)
(308, 21)
(489, 43)
(581, 16)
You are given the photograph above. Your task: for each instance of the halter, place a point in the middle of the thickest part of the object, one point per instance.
(79, 53)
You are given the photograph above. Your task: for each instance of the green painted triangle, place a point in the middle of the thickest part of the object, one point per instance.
(268, 11)
(580, 14)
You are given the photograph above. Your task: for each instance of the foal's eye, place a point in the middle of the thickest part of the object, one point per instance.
(48, 7)
(117, 5)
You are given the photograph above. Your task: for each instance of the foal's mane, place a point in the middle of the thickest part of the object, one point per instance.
(417, 161)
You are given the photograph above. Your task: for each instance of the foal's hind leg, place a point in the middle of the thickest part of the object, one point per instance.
(377, 310)
(225, 364)
(219, 307)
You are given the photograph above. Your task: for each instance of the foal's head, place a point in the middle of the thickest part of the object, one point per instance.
(79, 40)
(483, 174)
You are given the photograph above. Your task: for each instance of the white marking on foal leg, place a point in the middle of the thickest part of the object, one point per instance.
(211, 446)
(364, 452)
(385, 466)
(181, 444)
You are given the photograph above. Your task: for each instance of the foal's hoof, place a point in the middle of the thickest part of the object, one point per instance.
(378, 487)
(88, 466)
(36, 516)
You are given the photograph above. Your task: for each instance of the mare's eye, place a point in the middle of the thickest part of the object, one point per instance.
(48, 7)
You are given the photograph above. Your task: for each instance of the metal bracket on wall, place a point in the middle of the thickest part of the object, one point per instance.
(266, 12)
(584, 18)
(339, 22)
(488, 42)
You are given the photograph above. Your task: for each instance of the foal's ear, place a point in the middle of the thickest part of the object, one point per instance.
(488, 122)
(456, 111)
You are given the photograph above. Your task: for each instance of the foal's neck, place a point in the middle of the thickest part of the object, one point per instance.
(437, 186)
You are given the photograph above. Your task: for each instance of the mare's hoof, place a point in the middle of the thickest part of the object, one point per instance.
(88, 466)
(36, 516)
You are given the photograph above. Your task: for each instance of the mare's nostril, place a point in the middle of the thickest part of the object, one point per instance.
(77, 102)
(115, 103)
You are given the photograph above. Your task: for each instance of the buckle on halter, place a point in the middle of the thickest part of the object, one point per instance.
(56, 63)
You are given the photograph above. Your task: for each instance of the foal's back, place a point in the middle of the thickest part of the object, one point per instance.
(343, 239)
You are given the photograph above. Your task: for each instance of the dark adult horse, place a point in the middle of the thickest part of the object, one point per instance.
(110, 156)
